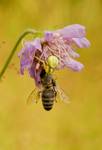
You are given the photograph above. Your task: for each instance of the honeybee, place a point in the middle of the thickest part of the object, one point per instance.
(49, 93)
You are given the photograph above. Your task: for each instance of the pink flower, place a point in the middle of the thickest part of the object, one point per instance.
(60, 43)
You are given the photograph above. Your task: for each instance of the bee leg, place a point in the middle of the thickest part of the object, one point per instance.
(54, 88)
(38, 95)
(55, 94)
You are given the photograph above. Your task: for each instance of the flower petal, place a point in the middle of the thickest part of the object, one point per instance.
(72, 31)
(37, 44)
(35, 75)
(27, 54)
(48, 36)
(81, 42)
(74, 65)
(73, 54)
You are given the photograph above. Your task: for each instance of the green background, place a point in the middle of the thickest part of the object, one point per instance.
(76, 126)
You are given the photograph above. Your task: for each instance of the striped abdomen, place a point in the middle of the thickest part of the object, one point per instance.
(48, 97)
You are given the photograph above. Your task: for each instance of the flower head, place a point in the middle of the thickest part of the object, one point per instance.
(57, 48)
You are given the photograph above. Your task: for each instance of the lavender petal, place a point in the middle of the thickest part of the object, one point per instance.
(73, 54)
(74, 65)
(81, 42)
(72, 31)
(48, 36)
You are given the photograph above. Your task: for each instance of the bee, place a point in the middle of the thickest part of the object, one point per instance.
(50, 91)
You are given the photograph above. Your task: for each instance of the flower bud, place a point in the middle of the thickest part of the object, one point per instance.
(52, 61)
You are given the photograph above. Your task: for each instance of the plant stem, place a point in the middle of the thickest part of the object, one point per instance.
(28, 31)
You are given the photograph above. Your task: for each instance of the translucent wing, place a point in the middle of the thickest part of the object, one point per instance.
(61, 95)
(34, 96)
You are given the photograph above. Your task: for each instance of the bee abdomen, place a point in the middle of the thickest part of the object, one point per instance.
(47, 103)
(48, 100)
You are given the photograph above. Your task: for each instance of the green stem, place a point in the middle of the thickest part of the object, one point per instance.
(28, 31)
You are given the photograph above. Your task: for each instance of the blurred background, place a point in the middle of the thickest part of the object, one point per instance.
(74, 126)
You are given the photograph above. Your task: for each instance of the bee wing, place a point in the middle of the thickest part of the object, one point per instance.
(34, 96)
(61, 95)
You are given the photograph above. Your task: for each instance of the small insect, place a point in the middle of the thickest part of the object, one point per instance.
(50, 92)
